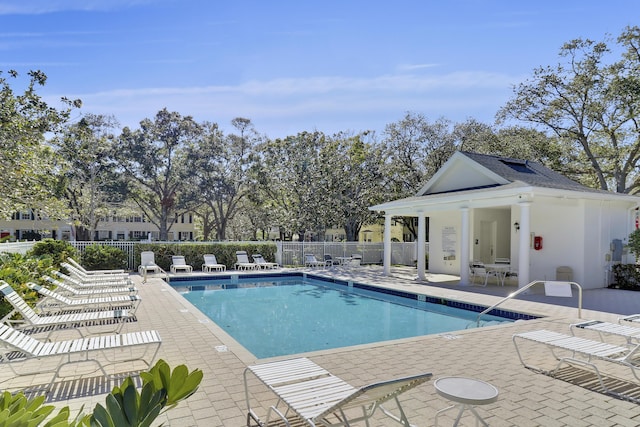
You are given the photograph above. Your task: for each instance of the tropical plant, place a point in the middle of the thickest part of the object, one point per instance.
(162, 390)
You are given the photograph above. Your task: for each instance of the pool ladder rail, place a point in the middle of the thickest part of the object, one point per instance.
(162, 272)
(551, 288)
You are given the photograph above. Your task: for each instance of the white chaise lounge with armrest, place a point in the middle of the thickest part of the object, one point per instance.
(212, 264)
(178, 263)
(17, 347)
(243, 262)
(88, 278)
(148, 263)
(31, 319)
(57, 302)
(569, 349)
(263, 263)
(318, 398)
(97, 272)
(91, 291)
(310, 260)
(91, 285)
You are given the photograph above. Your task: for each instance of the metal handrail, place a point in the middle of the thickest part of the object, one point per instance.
(166, 275)
(524, 288)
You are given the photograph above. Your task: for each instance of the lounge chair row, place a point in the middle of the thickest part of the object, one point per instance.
(178, 263)
(102, 300)
(595, 354)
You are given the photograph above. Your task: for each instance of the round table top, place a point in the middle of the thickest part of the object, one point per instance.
(466, 390)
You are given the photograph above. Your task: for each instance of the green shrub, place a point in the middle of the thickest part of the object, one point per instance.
(17, 270)
(58, 250)
(102, 257)
(627, 276)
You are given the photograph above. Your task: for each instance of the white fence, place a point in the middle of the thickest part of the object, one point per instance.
(292, 253)
(288, 254)
(16, 247)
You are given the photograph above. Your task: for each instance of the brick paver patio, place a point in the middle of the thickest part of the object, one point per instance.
(526, 398)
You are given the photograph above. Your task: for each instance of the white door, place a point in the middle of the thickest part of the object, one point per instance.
(488, 239)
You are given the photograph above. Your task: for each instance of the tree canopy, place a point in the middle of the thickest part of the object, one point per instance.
(590, 101)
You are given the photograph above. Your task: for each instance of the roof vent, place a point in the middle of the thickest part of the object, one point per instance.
(518, 165)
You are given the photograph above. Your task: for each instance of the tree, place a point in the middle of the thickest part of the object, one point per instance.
(154, 159)
(355, 183)
(292, 183)
(26, 163)
(415, 150)
(220, 167)
(590, 103)
(88, 175)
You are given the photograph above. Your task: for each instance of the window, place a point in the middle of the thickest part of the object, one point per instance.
(25, 215)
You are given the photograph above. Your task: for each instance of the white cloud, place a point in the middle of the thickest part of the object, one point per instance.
(318, 102)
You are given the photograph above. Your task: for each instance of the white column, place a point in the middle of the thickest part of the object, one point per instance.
(465, 244)
(386, 262)
(422, 229)
(524, 244)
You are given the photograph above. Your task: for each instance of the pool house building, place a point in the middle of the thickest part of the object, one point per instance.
(482, 208)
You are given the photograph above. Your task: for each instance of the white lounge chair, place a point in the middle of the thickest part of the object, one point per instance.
(243, 261)
(316, 397)
(263, 263)
(632, 318)
(148, 263)
(55, 301)
(96, 272)
(17, 347)
(583, 352)
(211, 264)
(631, 333)
(88, 278)
(310, 260)
(178, 263)
(31, 319)
(99, 290)
(91, 285)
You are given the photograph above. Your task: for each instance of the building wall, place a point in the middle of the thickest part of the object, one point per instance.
(112, 228)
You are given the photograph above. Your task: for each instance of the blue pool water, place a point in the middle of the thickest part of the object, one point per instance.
(284, 316)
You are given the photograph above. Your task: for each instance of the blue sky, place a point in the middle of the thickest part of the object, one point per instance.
(292, 66)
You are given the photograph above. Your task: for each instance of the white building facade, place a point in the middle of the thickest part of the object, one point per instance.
(483, 207)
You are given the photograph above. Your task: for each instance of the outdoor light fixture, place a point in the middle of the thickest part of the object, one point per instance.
(516, 225)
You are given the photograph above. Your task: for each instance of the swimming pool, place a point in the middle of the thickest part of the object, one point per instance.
(276, 316)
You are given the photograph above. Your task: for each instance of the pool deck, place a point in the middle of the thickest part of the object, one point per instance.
(526, 398)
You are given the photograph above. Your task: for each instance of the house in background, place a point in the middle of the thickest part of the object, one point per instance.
(30, 225)
(482, 207)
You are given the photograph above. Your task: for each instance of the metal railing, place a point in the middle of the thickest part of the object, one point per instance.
(551, 288)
